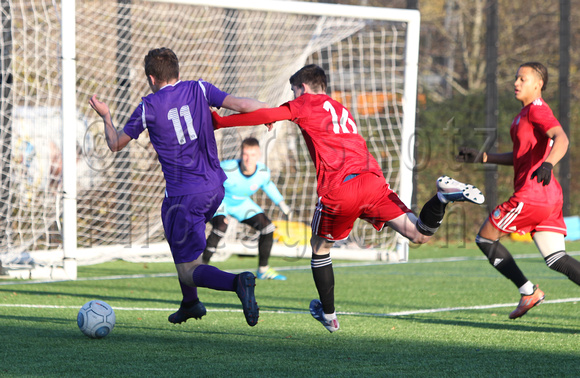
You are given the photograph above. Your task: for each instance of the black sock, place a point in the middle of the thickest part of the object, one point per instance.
(212, 242)
(565, 264)
(324, 279)
(431, 216)
(188, 304)
(264, 248)
(502, 260)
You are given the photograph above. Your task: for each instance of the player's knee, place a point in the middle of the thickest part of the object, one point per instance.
(217, 233)
(220, 225)
(495, 252)
(268, 230)
(556, 261)
(422, 233)
(563, 263)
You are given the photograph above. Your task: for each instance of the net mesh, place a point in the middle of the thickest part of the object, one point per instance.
(245, 53)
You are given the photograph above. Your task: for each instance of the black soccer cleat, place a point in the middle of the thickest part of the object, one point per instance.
(195, 311)
(246, 282)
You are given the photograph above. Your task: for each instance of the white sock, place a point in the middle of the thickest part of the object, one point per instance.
(330, 316)
(527, 288)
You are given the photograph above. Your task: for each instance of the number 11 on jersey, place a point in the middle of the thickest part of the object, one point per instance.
(184, 112)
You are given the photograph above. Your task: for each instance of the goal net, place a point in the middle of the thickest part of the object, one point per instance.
(247, 49)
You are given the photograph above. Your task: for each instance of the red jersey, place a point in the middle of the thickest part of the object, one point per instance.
(331, 134)
(531, 147)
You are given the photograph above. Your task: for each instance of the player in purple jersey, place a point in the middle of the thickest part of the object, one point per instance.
(178, 118)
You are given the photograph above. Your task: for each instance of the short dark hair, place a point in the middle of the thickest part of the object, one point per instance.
(312, 75)
(162, 63)
(540, 69)
(250, 142)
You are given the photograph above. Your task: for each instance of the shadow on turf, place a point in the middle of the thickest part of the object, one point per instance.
(150, 302)
(145, 329)
(38, 319)
(151, 351)
(514, 325)
(109, 298)
(91, 295)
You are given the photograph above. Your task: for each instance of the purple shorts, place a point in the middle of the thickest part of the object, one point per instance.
(184, 219)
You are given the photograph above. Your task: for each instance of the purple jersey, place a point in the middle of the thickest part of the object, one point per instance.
(180, 128)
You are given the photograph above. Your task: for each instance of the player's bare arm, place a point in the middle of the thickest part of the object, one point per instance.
(261, 116)
(472, 155)
(242, 104)
(505, 158)
(560, 146)
(116, 139)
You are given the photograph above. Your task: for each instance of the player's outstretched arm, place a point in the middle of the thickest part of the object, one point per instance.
(242, 104)
(469, 155)
(506, 158)
(472, 155)
(116, 140)
(258, 117)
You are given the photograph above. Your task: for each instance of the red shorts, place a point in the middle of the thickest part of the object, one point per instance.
(515, 216)
(366, 196)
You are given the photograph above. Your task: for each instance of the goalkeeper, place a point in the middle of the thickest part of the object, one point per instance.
(350, 185)
(539, 142)
(245, 177)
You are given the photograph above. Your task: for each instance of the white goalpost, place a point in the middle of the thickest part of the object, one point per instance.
(65, 200)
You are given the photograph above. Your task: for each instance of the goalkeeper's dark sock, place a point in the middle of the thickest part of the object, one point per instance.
(211, 245)
(265, 248)
(213, 278)
(323, 274)
(189, 293)
(431, 216)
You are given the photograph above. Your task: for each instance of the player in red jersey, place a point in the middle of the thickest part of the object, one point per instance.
(539, 142)
(350, 182)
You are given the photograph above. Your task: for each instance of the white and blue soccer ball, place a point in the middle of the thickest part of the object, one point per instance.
(96, 319)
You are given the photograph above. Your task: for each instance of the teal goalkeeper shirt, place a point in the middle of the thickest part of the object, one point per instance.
(239, 187)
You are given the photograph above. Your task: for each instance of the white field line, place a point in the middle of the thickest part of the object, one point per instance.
(286, 268)
(305, 267)
(392, 314)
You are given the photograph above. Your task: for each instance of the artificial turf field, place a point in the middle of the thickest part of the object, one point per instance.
(444, 313)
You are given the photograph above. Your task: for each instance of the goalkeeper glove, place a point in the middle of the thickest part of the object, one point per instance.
(284, 208)
(544, 173)
(469, 155)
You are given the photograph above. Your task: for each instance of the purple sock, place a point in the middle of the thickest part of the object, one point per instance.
(189, 293)
(213, 278)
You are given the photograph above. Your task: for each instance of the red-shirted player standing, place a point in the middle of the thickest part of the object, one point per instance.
(536, 205)
(350, 182)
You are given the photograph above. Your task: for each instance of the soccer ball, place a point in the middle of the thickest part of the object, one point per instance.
(96, 319)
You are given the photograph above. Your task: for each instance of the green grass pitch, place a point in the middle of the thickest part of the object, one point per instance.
(444, 313)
